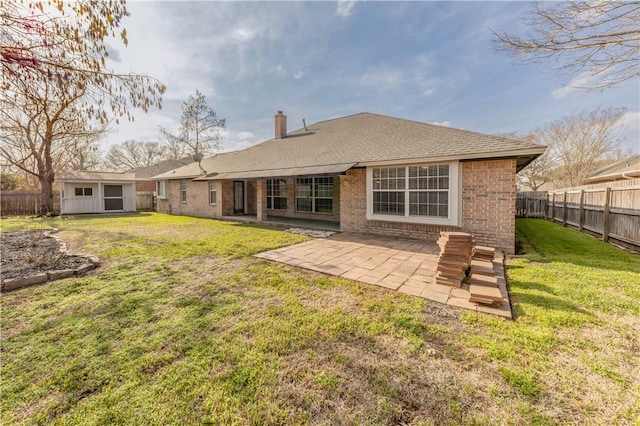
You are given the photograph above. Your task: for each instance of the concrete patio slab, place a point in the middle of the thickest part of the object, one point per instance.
(403, 265)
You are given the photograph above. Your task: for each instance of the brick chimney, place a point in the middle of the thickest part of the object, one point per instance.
(281, 125)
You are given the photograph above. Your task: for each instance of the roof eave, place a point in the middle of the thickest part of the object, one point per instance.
(525, 153)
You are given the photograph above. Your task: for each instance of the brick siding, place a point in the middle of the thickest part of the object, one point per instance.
(145, 186)
(488, 206)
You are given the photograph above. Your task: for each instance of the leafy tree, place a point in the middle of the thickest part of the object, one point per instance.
(200, 130)
(133, 154)
(597, 41)
(53, 68)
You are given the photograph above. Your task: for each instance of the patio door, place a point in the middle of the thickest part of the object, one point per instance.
(238, 197)
(113, 199)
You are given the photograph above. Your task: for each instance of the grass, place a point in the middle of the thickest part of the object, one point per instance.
(182, 326)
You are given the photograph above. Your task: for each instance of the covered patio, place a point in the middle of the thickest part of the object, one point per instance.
(404, 265)
(287, 222)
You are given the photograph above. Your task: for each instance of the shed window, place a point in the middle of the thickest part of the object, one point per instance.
(83, 192)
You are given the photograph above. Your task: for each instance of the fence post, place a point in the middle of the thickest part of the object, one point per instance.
(606, 219)
(581, 214)
(553, 208)
(564, 209)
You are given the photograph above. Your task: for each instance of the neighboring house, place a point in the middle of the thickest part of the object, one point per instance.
(143, 175)
(366, 172)
(621, 170)
(96, 192)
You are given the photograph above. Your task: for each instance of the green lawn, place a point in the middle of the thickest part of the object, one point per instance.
(180, 325)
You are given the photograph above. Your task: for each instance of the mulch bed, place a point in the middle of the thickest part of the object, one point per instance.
(25, 253)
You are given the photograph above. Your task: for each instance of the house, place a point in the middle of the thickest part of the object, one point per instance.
(96, 192)
(621, 170)
(364, 173)
(143, 175)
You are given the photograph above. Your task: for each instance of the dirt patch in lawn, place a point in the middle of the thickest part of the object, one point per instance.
(26, 253)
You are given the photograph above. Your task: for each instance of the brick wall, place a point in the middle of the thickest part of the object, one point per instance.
(489, 202)
(197, 200)
(488, 206)
(145, 186)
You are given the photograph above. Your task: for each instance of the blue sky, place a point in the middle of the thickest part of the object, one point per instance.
(425, 61)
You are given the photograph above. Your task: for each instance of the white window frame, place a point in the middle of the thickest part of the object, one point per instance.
(84, 191)
(454, 197)
(161, 189)
(213, 189)
(183, 191)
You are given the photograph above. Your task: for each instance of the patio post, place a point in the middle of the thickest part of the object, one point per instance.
(261, 202)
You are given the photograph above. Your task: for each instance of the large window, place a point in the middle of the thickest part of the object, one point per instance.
(429, 190)
(161, 189)
(183, 190)
(213, 193)
(277, 194)
(416, 193)
(389, 190)
(314, 194)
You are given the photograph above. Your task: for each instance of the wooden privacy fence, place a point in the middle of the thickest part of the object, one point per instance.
(24, 202)
(611, 212)
(531, 204)
(145, 201)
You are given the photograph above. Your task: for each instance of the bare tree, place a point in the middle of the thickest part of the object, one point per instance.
(55, 82)
(200, 130)
(133, 154)
(65, 42)
(596, 41)
(578, 143)
(42, 132)
(536, 173)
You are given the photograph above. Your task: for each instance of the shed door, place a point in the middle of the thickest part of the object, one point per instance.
(113, 199)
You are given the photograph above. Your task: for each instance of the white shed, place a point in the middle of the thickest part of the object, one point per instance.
(96, 192)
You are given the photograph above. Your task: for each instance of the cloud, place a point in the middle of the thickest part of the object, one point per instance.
(114, 54)
(234, 141)
(441, 123)
(380, 78)
(574, 85)
(629, 127)
(298, 74)
(345, 7)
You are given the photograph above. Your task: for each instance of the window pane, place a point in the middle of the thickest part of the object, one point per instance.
(303, 204)
(324, 205)
(443, 183)
(113, 204)
(213, 194)
(110, 191)
(78, 192)
(269, 202)
(279, 203)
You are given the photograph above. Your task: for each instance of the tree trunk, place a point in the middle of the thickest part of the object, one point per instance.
(46, 196)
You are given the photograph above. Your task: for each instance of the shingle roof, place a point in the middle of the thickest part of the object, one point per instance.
(74, 176)
(628, 167)
(146, 173)
(361, 138)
